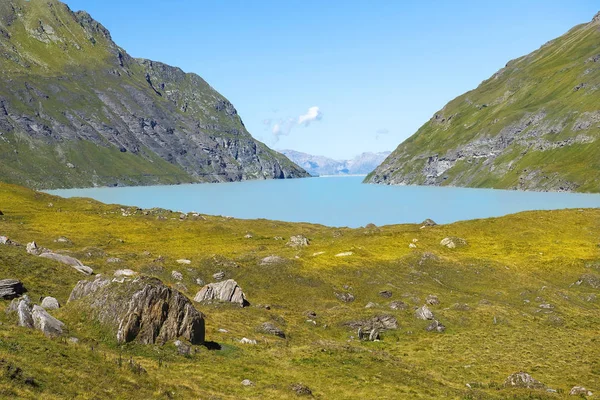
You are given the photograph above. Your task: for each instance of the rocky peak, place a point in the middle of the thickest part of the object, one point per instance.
(596, 17)
(91, 26)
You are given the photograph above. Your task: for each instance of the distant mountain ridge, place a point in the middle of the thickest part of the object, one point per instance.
(320, 165)
(76, 110)
(534, 125)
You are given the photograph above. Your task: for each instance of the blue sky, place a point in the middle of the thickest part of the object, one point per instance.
(376, 70)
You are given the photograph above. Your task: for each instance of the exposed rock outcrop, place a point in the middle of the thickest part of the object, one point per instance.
(11, 288)
(523, 380)
(371, 329)
(298, 241)
(270, 329)
(141, 309)
(424, 313)
(68, 260)
(45, 322)
(225, 291)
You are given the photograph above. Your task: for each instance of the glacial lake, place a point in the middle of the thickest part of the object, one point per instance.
(335, 201)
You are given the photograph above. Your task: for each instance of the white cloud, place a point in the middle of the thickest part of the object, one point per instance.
(313, 114)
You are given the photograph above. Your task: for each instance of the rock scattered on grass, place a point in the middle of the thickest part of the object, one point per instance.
(432, 300)
(436, 326)
(580, 391)
(344, 254)
(298, 241)
(11, 288)
(345, 297)
(176, 275)
(183, 261)
(523, 380)
(301, 389)
(398, 305)
(453, 242)
(270, 260)
(124, 272)
(50, 303)
(46, 323)
(226, 291)
(386, 294)
(247, 341)
(183, 348)
(247, 382)
(424, 313)
(270, 329)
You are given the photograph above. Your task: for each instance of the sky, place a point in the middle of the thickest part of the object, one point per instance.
(337, 78)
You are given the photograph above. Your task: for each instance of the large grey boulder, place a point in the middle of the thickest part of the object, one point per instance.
(46, 323)
(436, 326)
(68, 260)
(271, 329)
(424, 313)
(453, 242)
(298, 241)
(523, 380)
(226, 291)
(370, 329)
(11, 288)
(141, 309)
(50, 303)
(24, 312)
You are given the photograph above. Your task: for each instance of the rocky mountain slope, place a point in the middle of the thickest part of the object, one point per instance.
(533, 125)
(320, 165)
(77, 110)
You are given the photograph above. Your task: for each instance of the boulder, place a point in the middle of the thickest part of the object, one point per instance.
(11, 288)
(141, 309)
(424, 313)
(219, 275)
(183, 261)
(271, 329)
(436, 326)
(225, 291)
(183, 348)
(428, 222)
(580, 391)
(344, 254)
(371, 305)
(247, 341)
(24, 313)
(68, 260)
(453, 242)
(50, 303)
(298, 241)
(112, 260)
(386, 294)
(523, 380)
(398, 305)
(432, 300)
(124, 272)
(301, 389)
(63, 239)
(370, 329)
(45, 322)
(345, 297)
(247, 382)
(32, 248)
(271, 260)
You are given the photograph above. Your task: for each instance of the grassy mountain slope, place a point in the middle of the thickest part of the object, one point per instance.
(533, 125)
(74, 103)
(491, 294)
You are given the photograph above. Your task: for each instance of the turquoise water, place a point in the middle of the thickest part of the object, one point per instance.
(335, 201)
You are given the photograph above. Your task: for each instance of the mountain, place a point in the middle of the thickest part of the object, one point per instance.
(77, 110)
(533, 125)
(319, 165)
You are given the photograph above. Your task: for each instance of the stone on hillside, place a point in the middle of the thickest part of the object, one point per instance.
(84, 269)
(11, 288)
(424, 313)
(63, 239)
(345, 297)
(124, 272)
(183, 261)
(178, 276)
(61, 258)
(298, 241)
(370, 329)
(371, 305)
(226, 291)
(271, 329)
(247, 341)
(386, 294)
(436, 326)
(580, 391)
(301, 389)
(398, 305)
(453, 242)
(46, 323)
(24, 313)
(344, 254)
(412, 246)
(248, 236)
(461, 307)
(432, 300)
(32, 249)
(219, 275)
(112, 260)
(523, 380)
(50, 303)
(247, 382)
(143, 309)
(5, 240)
(270, 260)
(428, 222)
(183, 348)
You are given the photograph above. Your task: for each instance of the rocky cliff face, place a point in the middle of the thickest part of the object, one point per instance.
(533, 125)
(77, 110)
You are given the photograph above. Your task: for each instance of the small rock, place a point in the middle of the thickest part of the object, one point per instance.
(223, 330)
(11, 288)
(345, 297)
(345, 254)
(301, 390)
(32, 248)
(580, 391)
(199, 281)
(318, 253)
(73, 340)
(226, 291)
(112, 260)
(298, 241)
(547, 306)
(69, 165)
(428, 222)
(461, 307)
(386, 294)
(124, 272)
(278, 238)
(432, 300)
(178, 276)
(270, 260)
(248, 236)
(371, 305)
(271, 329)
(50, 303)
(453, 242)
(523, 380)
(63, 239)
(5, 240)
(219, 275)
(412, 246)
(436, 326)
(424, 313)
(398, 305)
(311, 314)
(183, 261)
(183, 348)
(247, 341)
(247, 382)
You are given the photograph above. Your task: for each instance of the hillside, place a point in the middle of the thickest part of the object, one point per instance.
(517, 293)
(319, 165)
(532, 126)
(76, 110)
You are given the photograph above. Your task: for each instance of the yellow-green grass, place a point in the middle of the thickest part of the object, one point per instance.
(533, 256)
